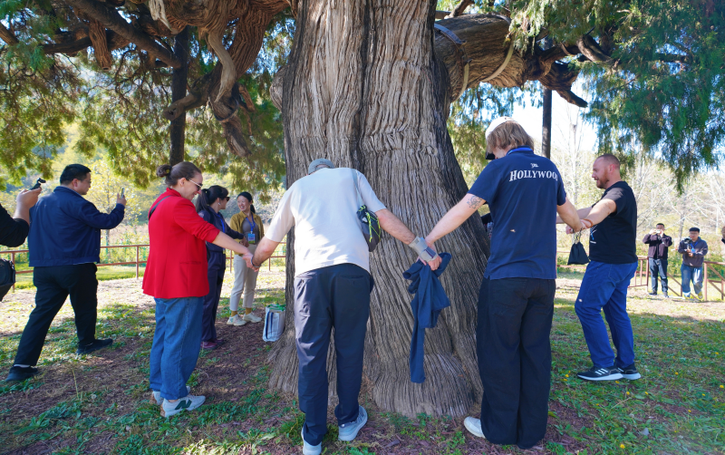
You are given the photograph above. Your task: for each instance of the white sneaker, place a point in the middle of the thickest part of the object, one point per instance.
(348, 431)
(473, 425)
(252, 318)
(188, 403)
(156, 395)
(309, 449)
(236, 320)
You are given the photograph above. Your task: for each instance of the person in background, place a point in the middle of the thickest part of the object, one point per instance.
(14, 230)
(65, 245)
(693, 250)
(176, 276)
(658, 242)
(208, 204)
(516, 301)
(245, 279)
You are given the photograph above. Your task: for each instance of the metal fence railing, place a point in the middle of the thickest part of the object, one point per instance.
(642, 277)
(140, 259)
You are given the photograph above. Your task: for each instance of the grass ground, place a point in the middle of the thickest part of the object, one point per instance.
(99, 403)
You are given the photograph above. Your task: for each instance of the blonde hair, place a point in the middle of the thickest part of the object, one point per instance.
(507, 136)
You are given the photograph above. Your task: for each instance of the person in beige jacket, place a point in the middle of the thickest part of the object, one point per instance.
(245, 279)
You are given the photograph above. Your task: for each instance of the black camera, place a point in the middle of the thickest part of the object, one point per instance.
(37, 184)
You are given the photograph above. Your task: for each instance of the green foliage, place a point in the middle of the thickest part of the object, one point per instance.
(119, 111)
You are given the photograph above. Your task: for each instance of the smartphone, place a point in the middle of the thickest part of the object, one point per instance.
(37, 184)
(123, 192)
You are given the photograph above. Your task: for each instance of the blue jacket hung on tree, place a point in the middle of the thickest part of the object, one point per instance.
(430, 298)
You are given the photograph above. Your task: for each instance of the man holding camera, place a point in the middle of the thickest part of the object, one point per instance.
(658, 242)
(693, 250)
(64, 244)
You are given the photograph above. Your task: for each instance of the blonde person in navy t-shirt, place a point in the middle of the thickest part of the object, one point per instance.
(516, 300)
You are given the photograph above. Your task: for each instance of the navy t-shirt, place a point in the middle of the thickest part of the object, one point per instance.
(613, 240)
(523, 191)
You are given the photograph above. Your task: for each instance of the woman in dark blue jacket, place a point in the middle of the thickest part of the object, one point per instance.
(208, 204)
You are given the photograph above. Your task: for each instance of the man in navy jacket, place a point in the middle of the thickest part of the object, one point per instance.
(64, 244)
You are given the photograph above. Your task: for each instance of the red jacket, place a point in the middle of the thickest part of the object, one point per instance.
(177, 266)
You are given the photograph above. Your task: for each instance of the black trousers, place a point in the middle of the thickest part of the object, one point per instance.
(336, 296)
(514, 358)
(215, 274)
(54, 285)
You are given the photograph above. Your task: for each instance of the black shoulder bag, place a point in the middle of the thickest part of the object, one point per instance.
(7, 277)
(369, 223)
(578, 255)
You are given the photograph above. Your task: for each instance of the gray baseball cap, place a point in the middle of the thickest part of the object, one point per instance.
(318, 162)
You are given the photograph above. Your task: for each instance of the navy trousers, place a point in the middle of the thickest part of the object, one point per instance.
(215, 274)
(337, 296)
(54, 285)
(514, 358)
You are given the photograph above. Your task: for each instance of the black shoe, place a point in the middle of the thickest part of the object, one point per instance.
(664, 294)
(96, 345)
(600, 374)
(653, 293)
(21, 373)
(630, 372)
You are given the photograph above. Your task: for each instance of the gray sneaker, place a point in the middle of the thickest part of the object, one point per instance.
(348, 431)
(309, 449)
(156, 395)
(188, 403)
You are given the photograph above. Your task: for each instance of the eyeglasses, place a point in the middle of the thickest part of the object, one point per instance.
(197, 184)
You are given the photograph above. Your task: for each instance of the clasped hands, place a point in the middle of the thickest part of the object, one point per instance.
(586, 223)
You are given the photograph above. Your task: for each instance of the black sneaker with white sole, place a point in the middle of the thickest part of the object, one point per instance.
(630, 372)
(600, 374)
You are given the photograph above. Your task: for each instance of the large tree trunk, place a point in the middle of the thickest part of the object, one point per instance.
(364, 88)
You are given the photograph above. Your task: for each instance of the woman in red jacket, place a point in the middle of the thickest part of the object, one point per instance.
(176, 277)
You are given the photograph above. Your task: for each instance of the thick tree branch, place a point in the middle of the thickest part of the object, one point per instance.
(112, 20)
(461, 8)
(7, 35)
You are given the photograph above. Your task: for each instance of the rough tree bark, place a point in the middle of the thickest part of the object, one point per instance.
(363, 87)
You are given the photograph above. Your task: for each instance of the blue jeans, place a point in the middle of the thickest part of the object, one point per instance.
(177, 341)
(658, 267)
(605, 287)
(693, 274)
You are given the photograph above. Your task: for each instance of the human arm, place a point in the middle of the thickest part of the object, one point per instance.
(682, 248)
(90, 215)
(13, 232)
(647, 238)
(236, 224)
(227, 242)
(568, 213)
(455, 217)
(582, 213)
(264, 250)
(25, 200)
(667, 241)
(393, 226)
(233, 233)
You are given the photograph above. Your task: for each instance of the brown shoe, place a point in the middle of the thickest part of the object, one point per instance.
(209, 345)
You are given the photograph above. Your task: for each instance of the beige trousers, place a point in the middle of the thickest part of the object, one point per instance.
(245, 281)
